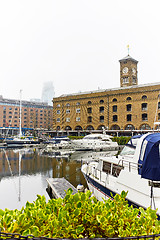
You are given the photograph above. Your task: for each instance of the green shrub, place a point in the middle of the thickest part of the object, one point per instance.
(75, 137)
(79, 216)
(121, 140)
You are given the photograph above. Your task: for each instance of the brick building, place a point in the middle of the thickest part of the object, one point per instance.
(34, 115)
(129, 107)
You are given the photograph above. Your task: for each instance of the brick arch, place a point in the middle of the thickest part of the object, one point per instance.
(89, 127)
(58, 128)
(145, 126)
(100, 127)
(115, 127)
(68, 128)
(129, 127)
(78, 127)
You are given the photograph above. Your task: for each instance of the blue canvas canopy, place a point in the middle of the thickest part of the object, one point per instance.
(150, 157)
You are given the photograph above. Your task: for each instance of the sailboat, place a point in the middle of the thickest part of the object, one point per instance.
(20, 140)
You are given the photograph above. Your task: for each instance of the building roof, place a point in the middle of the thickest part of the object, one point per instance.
(128, 57)
(111, 89)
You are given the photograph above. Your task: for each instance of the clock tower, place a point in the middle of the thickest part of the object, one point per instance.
(128, 71)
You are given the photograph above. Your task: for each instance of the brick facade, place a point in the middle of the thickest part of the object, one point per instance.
(131, 106)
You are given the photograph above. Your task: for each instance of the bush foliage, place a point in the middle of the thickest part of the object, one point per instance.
(79, 216)
(121, 140)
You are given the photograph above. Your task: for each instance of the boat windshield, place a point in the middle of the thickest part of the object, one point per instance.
(127, 150)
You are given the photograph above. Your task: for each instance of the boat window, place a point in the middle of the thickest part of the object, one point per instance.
(143, 149)
(111, 168)
(127, 150)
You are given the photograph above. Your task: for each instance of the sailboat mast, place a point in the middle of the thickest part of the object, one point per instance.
(20, 115)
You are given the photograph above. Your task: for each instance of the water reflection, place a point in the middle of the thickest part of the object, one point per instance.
(23, 173)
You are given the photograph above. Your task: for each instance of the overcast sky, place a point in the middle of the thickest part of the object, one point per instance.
(76, 44)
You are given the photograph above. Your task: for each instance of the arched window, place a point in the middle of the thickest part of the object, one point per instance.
(78, 103)
(129, 127)
(58, 105)
(145, 127)
(144, 106)
(89, 102)
(68, 128)
(101, 101)
(114, 100)
(144, 97)
(90, 127)
(67, 105)
(129, 98)
(78, 128)
(115, 127)
(58, 128)
(101, 127)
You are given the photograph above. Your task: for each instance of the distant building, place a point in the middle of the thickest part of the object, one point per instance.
(129, 107)
(35, 115)
(48, 93)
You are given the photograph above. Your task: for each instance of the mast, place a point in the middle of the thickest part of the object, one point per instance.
(20, 115)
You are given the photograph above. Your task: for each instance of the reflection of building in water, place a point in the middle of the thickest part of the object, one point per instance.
(32, 163)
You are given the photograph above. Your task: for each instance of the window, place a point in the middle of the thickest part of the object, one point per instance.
(129, 127)
(67, 119)
(129, 117)
(101, 119)
(134, 80)
(77, 103)
(89, 119)
(129, 107)
(78, 110)
(115, 118)
(114, 108)
(125, 80)
(78, 119)
(101, 109)
(144, 97)
(4, 108)
(101, 101)
(144, 117)
(89, 110)
(10, 112)
(58, 105)
(158, 105)
(114, 100)
(158, 116)
(10, 108)
(58, 119)
(67, 111)
(89, 102)
(58, 112)
(67, 105)
(144, 106)
(129, 98)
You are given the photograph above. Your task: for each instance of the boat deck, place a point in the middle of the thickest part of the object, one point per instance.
(57, 187)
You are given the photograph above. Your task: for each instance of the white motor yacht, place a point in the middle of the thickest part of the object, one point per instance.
(136, 170)
(97, 142)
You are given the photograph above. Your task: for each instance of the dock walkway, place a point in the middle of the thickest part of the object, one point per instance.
(57, 187)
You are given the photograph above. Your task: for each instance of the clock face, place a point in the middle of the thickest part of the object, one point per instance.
(133, 70)
(125, 70)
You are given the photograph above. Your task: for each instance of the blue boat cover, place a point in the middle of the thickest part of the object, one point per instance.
(150, 157)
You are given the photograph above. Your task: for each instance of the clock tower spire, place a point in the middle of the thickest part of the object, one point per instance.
(128, 71)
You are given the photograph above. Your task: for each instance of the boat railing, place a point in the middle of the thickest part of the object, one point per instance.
(113, 169)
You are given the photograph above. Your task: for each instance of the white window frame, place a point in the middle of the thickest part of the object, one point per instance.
(67, 111)
(78, 119)
(58, 111)
(78, 110)
(58, 120)
(67, 119)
